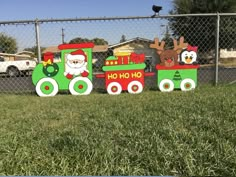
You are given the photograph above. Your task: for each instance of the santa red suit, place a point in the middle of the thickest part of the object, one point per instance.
(76, 64)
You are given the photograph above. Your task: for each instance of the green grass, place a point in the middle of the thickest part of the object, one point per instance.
(153, 133)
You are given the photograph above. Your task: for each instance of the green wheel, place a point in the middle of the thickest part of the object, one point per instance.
(47, 87)
(80, 86)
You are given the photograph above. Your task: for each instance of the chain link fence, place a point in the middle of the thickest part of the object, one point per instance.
(23, 43)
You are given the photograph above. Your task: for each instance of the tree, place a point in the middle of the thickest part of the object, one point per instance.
(177, 76)
(203, 6)
(201, 31)
(168, 40)
(79, 40)
(123, 38)
(99, 41)
(7, 44)
(96, 41)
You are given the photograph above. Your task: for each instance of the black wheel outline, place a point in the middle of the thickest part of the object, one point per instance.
(17, 72)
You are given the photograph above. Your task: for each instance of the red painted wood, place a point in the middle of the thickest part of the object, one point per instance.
(119, 60)
(149, 74)
(124, 77)
(137, 58)
(160, 67)
(125, 60)
(99, 75)
(76, 46)
(48, 56)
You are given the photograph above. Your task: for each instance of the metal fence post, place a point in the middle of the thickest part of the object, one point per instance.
(37, 40)
(217, 48)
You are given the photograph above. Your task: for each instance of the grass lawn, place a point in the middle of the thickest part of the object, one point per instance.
(153, 133)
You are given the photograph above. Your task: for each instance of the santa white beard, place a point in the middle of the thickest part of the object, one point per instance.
(75, 69)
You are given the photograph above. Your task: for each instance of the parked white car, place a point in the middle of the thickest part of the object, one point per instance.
(14, 68)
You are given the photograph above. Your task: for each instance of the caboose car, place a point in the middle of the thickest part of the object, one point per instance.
(182, 77)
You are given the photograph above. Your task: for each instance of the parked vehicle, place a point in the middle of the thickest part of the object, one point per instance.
(16, 67)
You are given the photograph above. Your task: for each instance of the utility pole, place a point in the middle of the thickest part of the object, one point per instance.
(62, 35)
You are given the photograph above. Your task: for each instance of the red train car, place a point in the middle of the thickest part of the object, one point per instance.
(124, 73)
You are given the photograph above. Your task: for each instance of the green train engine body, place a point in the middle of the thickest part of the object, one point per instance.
(182, 77)
(49, 77)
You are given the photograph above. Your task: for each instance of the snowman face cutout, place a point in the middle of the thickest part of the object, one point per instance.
(188, 57)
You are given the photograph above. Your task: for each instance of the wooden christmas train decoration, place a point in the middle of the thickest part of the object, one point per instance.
(178, 66)
(123, 72)
(73, 72)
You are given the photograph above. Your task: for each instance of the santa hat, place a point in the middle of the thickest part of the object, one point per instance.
(78, 54)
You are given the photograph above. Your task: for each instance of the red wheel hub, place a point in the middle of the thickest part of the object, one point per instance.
(46, 87)
(166, 86)
(134, 88)
(80, 86)
(187, 85)
(114, 88)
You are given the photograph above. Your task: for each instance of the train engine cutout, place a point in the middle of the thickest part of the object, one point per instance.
(73, 72)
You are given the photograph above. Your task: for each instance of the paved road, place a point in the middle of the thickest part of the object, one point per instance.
(24, 84)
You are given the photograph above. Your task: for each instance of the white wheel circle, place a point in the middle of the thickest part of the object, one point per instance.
(80, 86)
(187, 84)
(166, 85)
(114, 88)
(135, 87)
(46, 87)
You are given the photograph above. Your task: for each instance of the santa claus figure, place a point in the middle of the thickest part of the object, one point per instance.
(76, 64)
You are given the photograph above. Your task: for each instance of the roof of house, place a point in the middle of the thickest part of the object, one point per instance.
(53, 49)
(138, 39)
(102, 48)
(96, 48)
(14, 55)
(24, 52)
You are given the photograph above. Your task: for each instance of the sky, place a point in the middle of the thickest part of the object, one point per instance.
(50, 33)
(47, 9)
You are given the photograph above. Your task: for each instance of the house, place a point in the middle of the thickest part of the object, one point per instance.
(17, 56)
(26, 53)
(228, 53)
(226, 56)
(101, 52)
